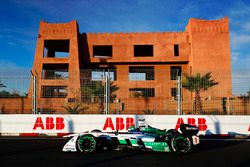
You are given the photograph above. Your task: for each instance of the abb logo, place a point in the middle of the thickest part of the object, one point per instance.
(49, 123)
(249, 128)
(120, 123)
(200, 122)
(124, 123)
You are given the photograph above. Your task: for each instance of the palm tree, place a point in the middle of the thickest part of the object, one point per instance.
(197, 83)
(75, 108)
(93, 92)
(2, 85)
(113, 89)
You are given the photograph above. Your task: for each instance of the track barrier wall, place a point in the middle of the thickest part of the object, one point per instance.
(59, 125)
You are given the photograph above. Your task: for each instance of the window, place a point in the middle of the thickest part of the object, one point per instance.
(175, 71)
(99, 74)
(176, 50)
(102, 51)
(56, 48)
(55, 71)
(174, 93)
(141, 92)
(143, 50)
(54, 91)
(141, 73)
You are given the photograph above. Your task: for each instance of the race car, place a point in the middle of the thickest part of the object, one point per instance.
(145, 138)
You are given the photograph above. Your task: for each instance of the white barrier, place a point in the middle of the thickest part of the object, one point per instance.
(61, 124)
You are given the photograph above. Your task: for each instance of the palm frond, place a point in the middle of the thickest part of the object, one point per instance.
(197, 83)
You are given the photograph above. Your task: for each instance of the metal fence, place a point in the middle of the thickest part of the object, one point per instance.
(131, 91)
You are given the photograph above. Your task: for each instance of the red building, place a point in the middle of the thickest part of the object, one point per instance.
(144, 65)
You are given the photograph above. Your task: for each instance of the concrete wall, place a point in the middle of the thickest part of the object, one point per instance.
(63, 124)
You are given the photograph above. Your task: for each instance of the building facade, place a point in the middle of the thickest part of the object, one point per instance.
(143, 65)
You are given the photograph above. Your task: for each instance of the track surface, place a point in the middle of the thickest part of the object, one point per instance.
(47, 152)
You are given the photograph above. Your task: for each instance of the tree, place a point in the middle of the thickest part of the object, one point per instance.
(246, 101)
(2, 85)
(149, 112)
(197, 83)
(93, 92)
(5, 93)
(75, 106)
(113, 89)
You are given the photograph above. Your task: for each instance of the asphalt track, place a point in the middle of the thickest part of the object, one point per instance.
(47, 152)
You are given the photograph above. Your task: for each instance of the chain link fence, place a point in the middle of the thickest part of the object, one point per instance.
(14, 95)
(136, 90)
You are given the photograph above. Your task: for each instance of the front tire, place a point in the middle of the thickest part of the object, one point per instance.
(86, 143)
(180, 144)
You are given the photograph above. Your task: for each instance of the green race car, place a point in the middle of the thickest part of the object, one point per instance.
(144, 137)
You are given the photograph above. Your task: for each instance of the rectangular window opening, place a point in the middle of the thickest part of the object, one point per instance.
(56, 48)
(54, 92)
(141, 73)
(141, 92)
(55, 71)
(176, 50)
(143, 50)
(100, 74)
(175, 71)
(102, 51)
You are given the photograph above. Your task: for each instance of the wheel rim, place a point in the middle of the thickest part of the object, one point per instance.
(181, 144)
(87, 144)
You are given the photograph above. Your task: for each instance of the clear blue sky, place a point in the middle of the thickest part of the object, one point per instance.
(20, 22)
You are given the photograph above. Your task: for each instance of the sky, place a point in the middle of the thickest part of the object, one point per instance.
(20, 22)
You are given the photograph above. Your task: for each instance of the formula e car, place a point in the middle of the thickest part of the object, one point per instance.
(145, 138)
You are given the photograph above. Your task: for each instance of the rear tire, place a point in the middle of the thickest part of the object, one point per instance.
(180, 144)
(86, 143)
